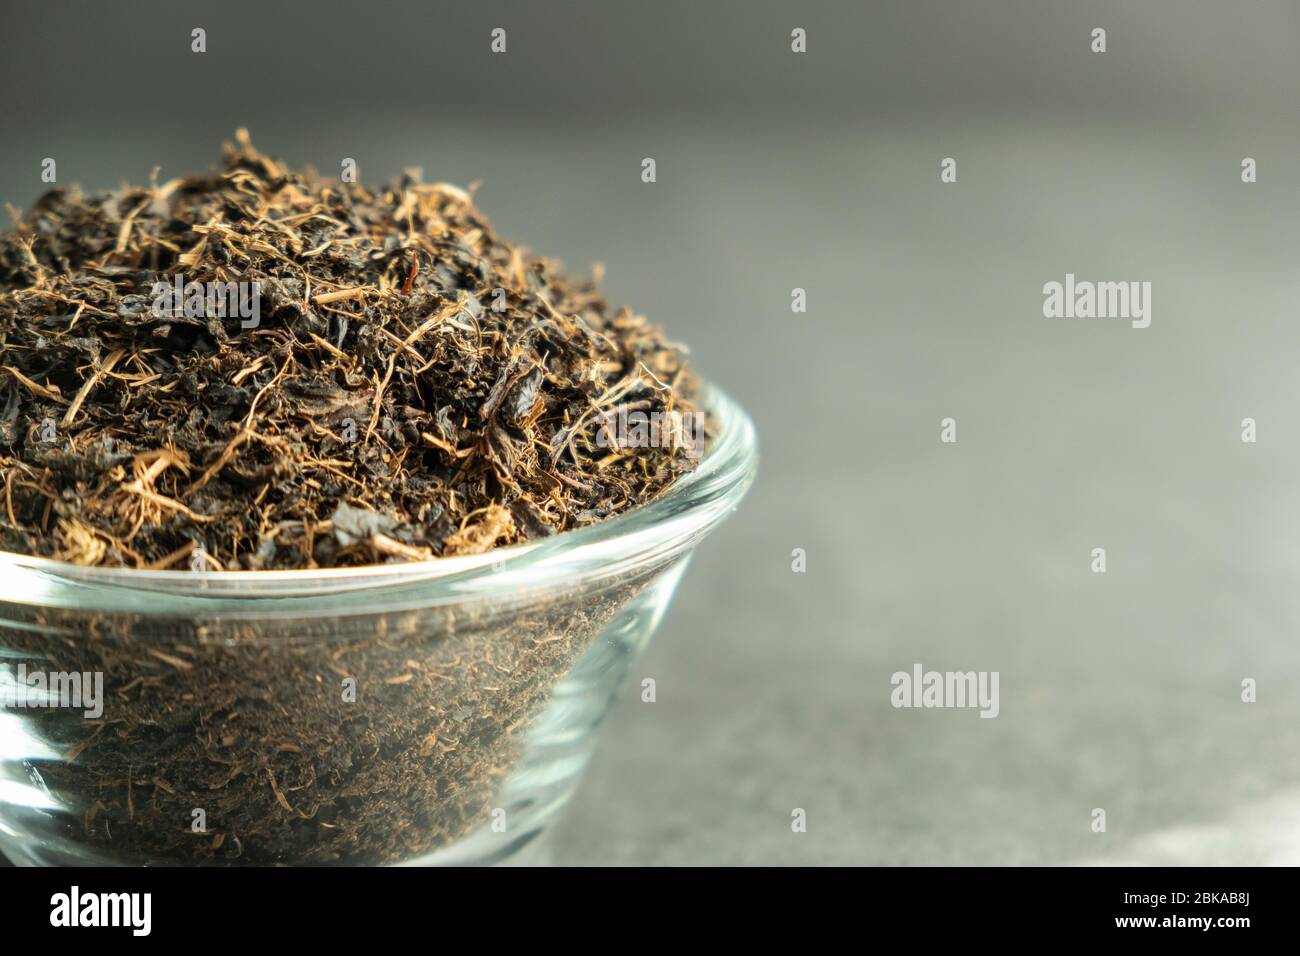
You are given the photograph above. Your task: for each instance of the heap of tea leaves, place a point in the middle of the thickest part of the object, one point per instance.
(263, 368)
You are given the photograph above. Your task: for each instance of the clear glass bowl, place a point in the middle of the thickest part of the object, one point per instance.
(424, 713)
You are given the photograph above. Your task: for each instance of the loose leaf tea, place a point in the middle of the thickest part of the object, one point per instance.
(270, 369)
(361, 739)
(263, 369)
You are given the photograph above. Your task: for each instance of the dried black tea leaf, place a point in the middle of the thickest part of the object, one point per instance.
(312, 348)
(263, 369)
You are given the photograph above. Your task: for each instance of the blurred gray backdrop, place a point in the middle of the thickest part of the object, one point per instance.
(820, 171)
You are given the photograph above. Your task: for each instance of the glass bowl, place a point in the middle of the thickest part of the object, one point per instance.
(421, 713)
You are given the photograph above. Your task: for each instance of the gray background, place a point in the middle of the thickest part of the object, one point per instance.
(1118, 691)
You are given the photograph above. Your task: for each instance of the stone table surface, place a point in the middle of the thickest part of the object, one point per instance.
(1119, 690)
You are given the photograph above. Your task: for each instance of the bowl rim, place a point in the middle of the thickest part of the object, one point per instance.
(654, 532)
